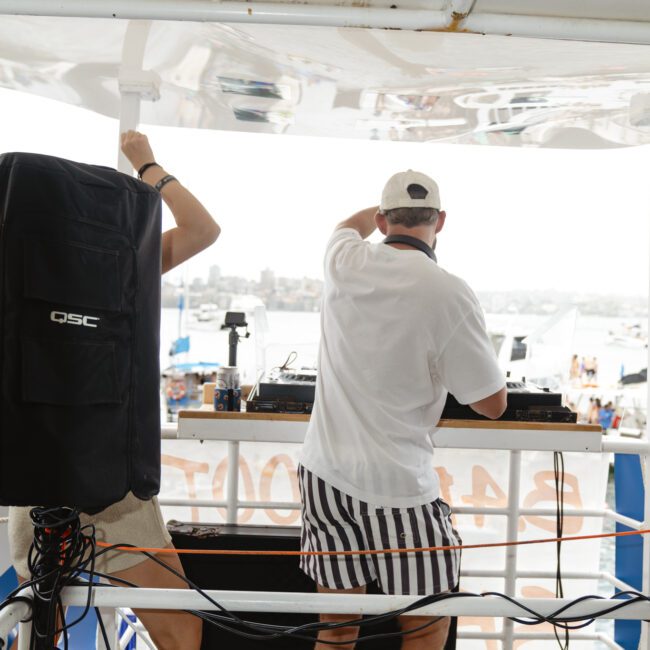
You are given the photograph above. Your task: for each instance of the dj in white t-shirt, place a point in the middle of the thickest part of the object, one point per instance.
(397, 333)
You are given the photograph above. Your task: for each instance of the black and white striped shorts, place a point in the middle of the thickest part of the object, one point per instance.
(335, 521)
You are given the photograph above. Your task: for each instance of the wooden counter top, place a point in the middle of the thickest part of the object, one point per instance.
(207, 413)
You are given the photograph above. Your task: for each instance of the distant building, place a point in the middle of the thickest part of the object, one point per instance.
(214, 275)
(267, 280)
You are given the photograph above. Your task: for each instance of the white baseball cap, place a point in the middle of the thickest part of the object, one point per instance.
(396, 192)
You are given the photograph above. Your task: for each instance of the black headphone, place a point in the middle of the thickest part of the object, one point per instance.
(411, 241)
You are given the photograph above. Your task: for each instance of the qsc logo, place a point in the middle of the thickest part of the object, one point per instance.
(64, 318)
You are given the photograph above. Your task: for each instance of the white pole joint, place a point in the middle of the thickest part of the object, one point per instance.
(144, 83)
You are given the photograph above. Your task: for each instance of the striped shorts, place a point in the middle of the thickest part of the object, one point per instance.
(335, 521)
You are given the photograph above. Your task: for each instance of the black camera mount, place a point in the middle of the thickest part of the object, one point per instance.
(233, 321)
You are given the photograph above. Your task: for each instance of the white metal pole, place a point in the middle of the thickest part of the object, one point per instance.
(232, 497)
(645, 467)
(232, 12)
(11, 616)
(644, 459)
(456, 16)
(24, 636)
(514, 475)
(131, 82)
(308, 603)
(129, 118)
(558, 27)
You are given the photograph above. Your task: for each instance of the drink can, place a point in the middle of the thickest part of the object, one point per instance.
(227, 399)
(227, 377)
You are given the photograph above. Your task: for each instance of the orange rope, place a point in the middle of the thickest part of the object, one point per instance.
(463, 547)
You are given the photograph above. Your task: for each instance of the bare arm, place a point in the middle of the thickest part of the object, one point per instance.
(493, 406)
(363, 221)
(195, 228)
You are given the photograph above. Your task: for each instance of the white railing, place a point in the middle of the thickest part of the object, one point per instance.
(234, 431)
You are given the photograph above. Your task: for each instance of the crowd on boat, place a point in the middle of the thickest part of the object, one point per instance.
(583, 371)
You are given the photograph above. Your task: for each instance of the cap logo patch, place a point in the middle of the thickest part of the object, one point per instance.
(416, 191)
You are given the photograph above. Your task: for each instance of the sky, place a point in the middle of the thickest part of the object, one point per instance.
(534, 219)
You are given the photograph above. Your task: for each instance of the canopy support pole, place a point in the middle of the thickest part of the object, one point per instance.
(135, 83)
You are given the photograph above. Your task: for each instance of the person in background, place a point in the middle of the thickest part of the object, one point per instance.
(131, 520)
(605, 416)
(590, 367)
(397, 332)
(594, 410)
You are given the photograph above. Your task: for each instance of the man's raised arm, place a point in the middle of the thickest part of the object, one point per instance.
(195, 228)
(363, 221)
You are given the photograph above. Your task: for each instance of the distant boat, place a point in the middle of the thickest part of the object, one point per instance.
(208, 311)
(635, 378)
(543, 355)
(629, 336)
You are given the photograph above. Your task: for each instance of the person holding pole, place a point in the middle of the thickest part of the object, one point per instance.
(132, 521)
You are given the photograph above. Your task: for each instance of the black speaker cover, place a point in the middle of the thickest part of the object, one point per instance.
(79, 327)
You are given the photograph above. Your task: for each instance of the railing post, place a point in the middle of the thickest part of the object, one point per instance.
(514, 474)
(233, 482)
(644, 459)
(24, 636)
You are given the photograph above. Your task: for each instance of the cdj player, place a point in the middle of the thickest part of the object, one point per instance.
(284, 391)
(526, 403)
(292, 391)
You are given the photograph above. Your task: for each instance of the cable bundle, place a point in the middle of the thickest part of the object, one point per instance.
(62, 550)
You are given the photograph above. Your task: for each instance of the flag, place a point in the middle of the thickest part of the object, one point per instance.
(180, 345)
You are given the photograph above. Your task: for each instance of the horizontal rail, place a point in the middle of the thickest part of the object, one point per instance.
(541, 636)
(459, 510)
(314, 603)
(621, 446)
(615, 445)
(557, 27)
(569, 575)
(211, 503)
(452, 434)
(231, 12)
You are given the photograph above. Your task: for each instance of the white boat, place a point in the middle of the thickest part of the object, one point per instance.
(208, 312)
(632, 335)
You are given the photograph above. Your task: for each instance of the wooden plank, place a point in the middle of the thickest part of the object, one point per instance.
(516, 425)
(207, 413)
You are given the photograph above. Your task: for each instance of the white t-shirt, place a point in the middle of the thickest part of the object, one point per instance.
(397, 332)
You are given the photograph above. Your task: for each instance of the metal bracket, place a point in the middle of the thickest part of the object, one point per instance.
(144, 83)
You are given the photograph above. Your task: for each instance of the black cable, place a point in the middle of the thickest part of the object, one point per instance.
(227, 619)
(100, 622)
(558, 472)
(80, 556)
(293, 355)
(58, 551)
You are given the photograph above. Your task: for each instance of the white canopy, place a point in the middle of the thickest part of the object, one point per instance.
(317, 78)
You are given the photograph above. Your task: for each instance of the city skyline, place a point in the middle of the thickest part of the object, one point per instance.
(303, 293)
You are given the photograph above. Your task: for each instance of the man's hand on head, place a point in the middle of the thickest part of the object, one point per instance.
(363, 221)
(135, 146)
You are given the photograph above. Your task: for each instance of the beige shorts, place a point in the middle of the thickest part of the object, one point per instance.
(130, 521)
